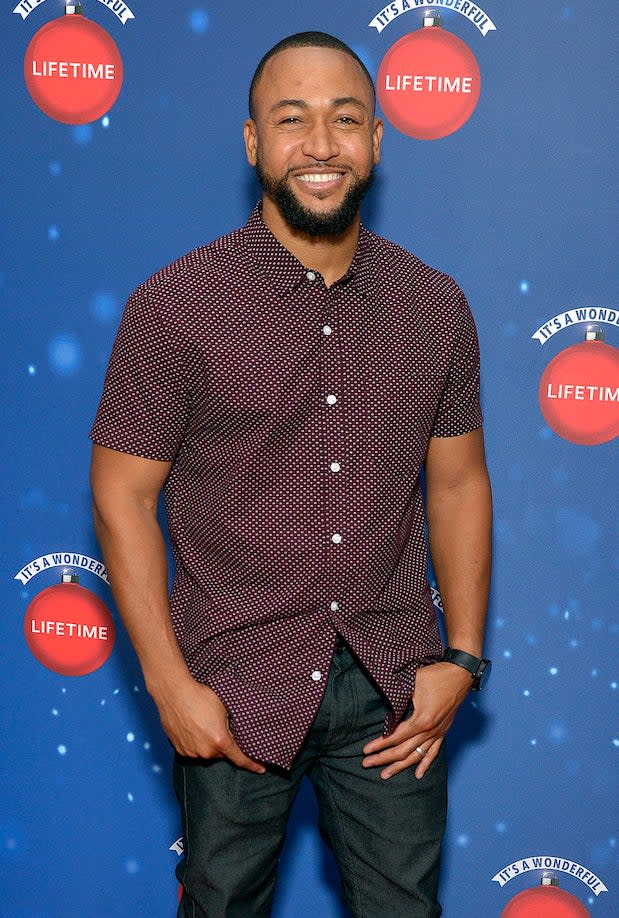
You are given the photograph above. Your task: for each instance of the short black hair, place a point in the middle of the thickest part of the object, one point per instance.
(307, 40)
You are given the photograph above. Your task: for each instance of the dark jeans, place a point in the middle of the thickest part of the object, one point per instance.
(385, 835)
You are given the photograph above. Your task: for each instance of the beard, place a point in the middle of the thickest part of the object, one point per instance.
(301, 218)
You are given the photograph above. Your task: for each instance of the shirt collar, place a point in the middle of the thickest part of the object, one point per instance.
(286, 272)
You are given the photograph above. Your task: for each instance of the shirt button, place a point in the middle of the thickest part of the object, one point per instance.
(311, 276)
(335, 466)
(335, 606)
(331, 399)
(326, 329)
(336, 537)
(316, 675)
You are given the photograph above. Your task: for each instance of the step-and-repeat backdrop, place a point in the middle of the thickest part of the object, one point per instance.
(121, 150)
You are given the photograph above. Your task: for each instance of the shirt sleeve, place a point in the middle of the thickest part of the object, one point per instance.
(459, 409)
(144, 409)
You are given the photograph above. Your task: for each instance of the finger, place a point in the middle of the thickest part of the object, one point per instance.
(189, 749)
(236, 755)
(399, 752)
(401, 733)
(396, 767)
(429, 757)
(420, 726)
(197, 745)
(414, 758)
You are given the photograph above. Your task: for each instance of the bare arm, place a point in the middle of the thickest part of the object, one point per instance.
(459, 512)
(126, 490)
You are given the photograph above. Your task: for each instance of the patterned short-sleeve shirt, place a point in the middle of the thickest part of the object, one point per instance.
(296, 417)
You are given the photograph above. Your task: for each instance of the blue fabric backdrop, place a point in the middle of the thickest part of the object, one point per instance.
(517, 206)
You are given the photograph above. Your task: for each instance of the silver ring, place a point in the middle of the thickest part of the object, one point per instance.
(421, 751)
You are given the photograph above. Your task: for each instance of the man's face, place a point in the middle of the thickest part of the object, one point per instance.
(314, 138)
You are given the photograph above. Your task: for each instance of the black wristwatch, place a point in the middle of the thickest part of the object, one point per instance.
(479, 668)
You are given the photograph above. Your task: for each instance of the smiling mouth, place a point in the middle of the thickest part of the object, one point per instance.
(318, 178)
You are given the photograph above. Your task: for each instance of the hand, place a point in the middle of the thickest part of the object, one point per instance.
(196, 723)
(440, 689)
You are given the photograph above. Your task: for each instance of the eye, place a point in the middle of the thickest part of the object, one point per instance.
(347, 119)
(290, 119)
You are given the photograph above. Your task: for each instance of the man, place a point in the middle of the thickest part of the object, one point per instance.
(285, 385)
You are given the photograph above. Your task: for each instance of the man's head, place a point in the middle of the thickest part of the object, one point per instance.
(312, 134)
(308, 40)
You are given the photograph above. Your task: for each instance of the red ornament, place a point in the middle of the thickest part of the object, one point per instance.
(69, 629)
(579, 393)
(73, 70)
(428, 83)
(545, 902)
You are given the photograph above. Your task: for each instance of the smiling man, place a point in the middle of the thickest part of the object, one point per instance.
(319, 176)
(286, 385)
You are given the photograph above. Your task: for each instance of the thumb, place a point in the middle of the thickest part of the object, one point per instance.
(235, 754)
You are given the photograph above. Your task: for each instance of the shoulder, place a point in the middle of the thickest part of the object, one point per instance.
(196, 272)
(192, 290)
(403, 270)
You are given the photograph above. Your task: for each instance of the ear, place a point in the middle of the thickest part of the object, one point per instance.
(377, 136)
(250, 135)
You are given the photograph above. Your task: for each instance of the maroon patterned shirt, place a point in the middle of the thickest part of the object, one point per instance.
(297, 419)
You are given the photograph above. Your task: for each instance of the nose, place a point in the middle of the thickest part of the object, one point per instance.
(320, 142)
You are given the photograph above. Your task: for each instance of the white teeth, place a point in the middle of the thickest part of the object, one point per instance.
(315, 177)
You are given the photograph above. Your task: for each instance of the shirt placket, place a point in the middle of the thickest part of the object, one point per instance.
(332, 399)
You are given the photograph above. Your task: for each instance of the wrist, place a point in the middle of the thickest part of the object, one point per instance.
(165, 683)
(478, 668)
(473, 644)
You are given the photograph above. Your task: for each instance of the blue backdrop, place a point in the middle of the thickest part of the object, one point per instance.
(516, 205)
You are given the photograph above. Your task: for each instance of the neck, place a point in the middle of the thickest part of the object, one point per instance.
(330, 255)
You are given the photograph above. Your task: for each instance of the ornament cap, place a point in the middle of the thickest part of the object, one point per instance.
(549, 879)
(69, 577)
(430, 18)
(73, 6)
(594, 333)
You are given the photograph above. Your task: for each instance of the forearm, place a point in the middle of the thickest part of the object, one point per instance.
(135, 556)
(459, 511)
(459, 533)
(125, 490)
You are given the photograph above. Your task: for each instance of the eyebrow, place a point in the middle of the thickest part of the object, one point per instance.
(335, 103)
(349, 100)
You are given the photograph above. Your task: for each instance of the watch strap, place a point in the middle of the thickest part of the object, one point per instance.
(478, 667)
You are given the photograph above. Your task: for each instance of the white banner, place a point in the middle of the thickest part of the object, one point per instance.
(545, 862)
(69, 559)
(26, 7)
(120, 9)
(469, 10)
(592, 314)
